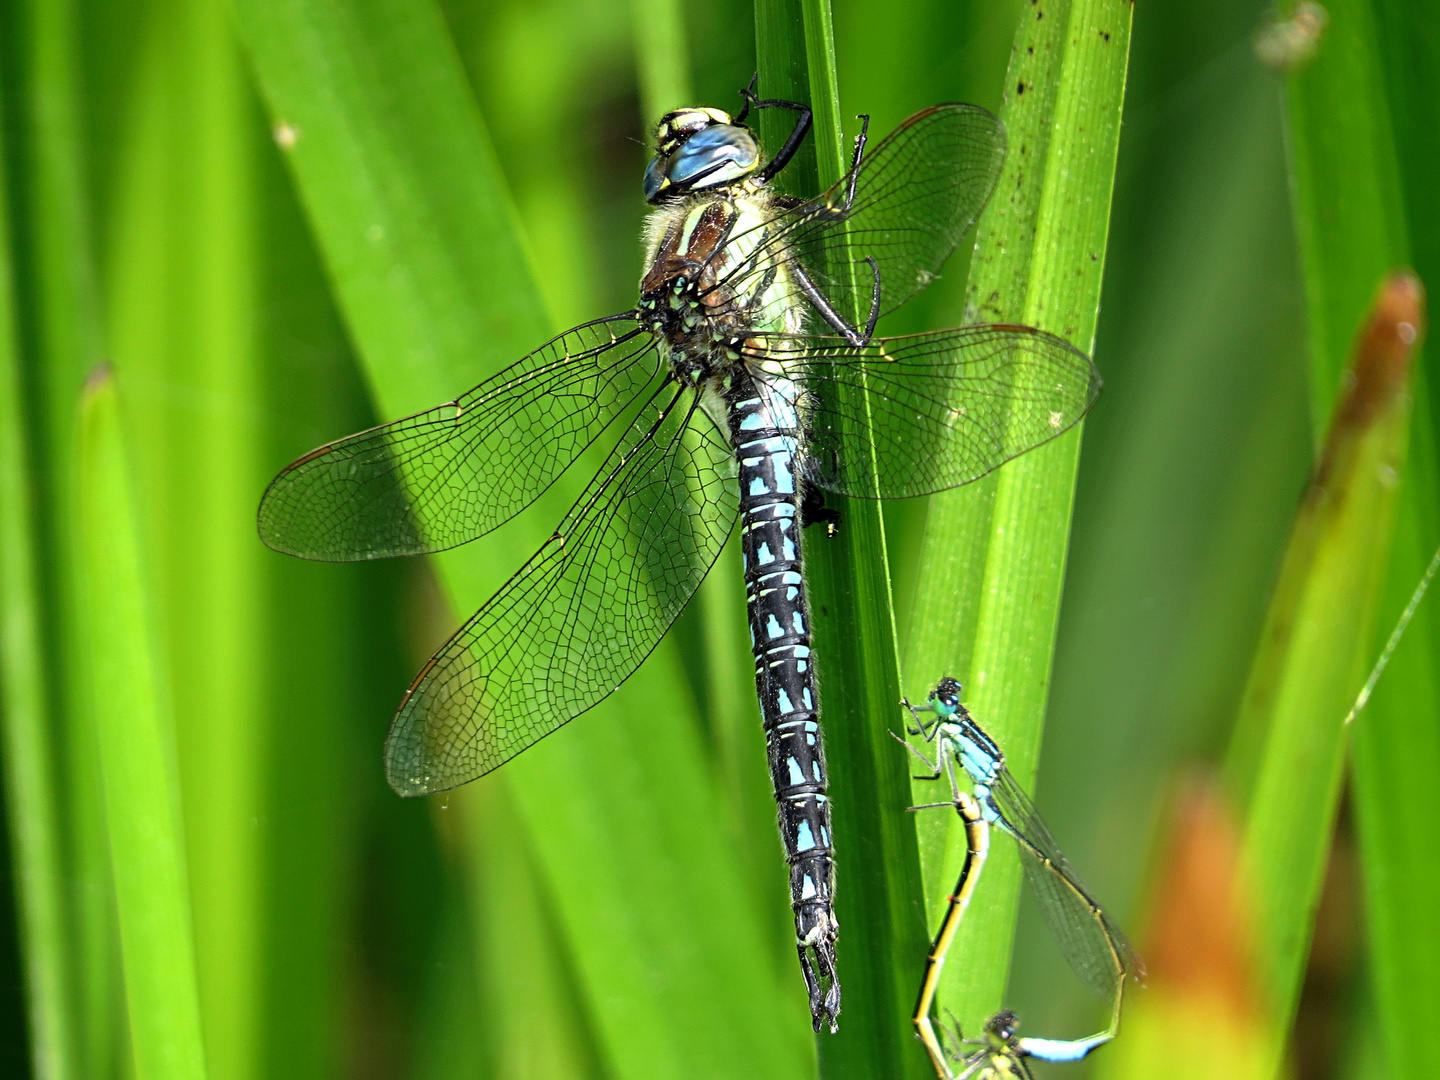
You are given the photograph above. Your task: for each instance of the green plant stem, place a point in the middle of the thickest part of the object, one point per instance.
(1397, 738)
(994, 553)
(1363, 147)
(137, 755)
(25, 711)
(182, 291)
(855, 643)
(61, 336)
(662, 59)
(1347, 202)
(1316, 649)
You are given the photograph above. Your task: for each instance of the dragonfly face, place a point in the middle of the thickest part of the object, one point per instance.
(698, 148)
(724, 394)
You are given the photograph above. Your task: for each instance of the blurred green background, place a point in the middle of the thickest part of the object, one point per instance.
(508, 931)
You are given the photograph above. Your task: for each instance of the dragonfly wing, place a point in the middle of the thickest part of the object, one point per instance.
(579, 617)
(942, 408)
(447, 475)
(917, 191)
(1090, 941)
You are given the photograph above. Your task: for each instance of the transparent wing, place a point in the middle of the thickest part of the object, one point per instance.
(942, 408)
(582, 613)
(916, 193)
(447, 475)
(1089, 940)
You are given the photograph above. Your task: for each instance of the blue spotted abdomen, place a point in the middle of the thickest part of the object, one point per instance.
(764, 430)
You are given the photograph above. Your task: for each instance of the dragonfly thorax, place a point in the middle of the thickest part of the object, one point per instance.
(714, 294)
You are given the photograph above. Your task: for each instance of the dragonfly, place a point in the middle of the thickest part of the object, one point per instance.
(746, 381)
(1088, 938)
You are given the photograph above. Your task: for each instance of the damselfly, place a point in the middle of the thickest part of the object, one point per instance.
(721, 402)
(1003, 1055)
(1088, 938)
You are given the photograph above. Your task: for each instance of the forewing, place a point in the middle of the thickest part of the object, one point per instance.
(917, 191)
(1089, 940)
(942, 409)
(580, 616)
(447, 475)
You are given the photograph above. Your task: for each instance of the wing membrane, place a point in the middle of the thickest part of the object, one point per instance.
(916, 193)
(443, 477)
(1089, 940)
(942, 408)
(582, 614)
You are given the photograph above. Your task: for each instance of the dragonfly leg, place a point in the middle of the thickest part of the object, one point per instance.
(747, 95)
(874, 300)
(855, 160)
(822, 307)
(797, 134)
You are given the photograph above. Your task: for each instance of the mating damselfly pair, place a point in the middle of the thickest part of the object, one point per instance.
(746, 380)
(1090, 941)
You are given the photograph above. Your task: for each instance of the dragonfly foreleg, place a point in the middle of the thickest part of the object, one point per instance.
(855, 160)
(797, 134)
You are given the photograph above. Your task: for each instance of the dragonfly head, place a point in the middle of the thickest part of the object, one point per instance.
(699, 148)
(945, 698)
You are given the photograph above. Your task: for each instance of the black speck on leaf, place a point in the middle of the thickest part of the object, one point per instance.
(1020, 87)
(1105, 34)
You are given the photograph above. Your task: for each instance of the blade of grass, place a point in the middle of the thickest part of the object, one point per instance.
(1362, 143)
(181, 281)
(661, 57)
(855, 642)
(1316, 648)
(1192, 461)
(137, 756)
(1347, 204)
(328, 680)
(994, 554)
(61, 337)
(31, 808)
(1397, 738)
(406, 199)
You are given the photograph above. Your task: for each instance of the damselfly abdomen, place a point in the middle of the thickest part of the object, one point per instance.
(726, 392)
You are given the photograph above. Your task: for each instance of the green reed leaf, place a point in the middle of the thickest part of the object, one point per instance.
(137, 755)
(993, 560)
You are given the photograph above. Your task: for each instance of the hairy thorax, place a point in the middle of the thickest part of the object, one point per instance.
(714, 292)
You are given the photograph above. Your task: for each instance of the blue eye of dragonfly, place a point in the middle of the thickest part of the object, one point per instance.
(721, 401)
(715, 155)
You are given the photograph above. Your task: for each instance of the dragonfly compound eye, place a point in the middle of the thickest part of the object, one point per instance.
(699, 149)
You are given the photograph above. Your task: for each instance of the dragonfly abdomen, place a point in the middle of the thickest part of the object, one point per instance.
(763, 428)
